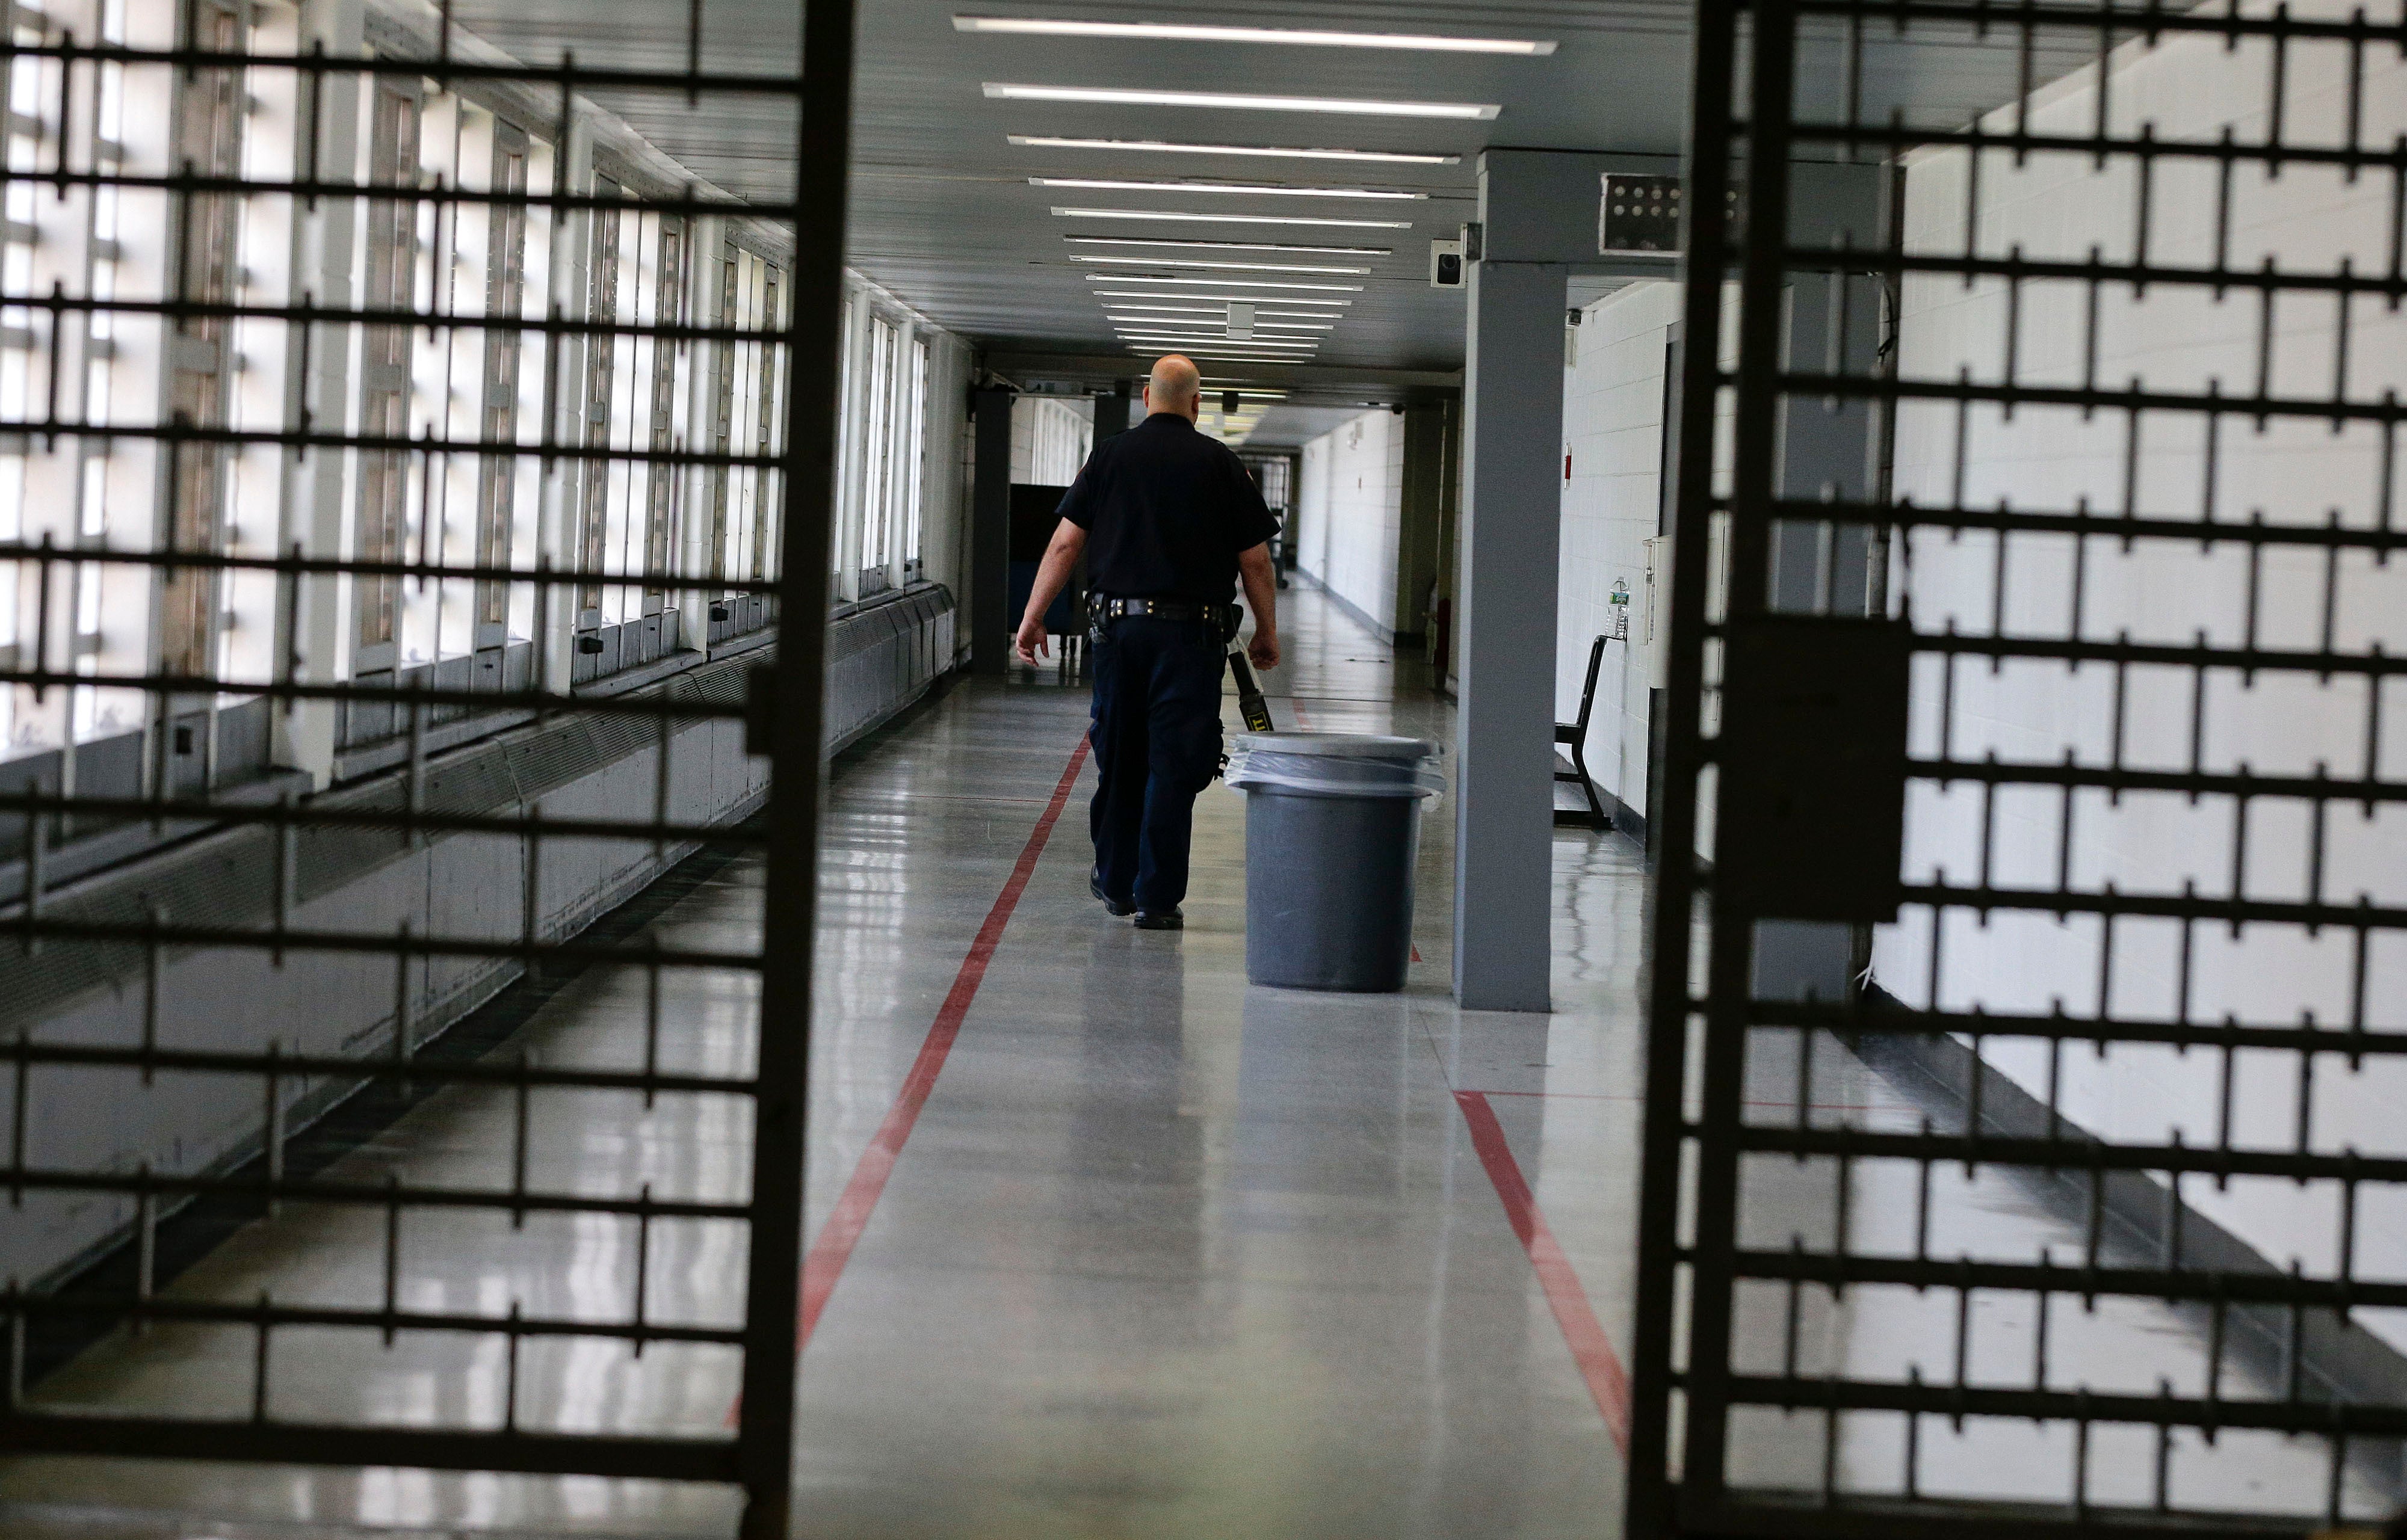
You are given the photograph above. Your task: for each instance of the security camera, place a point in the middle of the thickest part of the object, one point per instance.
(1445, 265)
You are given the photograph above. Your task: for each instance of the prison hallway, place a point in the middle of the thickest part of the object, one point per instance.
(1104, 1241)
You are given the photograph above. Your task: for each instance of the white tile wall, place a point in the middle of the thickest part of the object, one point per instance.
(1352, 503)
(1613, 437)
(2174, 339)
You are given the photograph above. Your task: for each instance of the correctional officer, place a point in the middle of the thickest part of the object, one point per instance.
(1169, 522)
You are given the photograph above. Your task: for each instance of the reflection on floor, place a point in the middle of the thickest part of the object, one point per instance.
(1164, 1254)
(1160, 1254)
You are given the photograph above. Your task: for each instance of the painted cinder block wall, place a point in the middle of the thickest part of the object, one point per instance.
(1352, 509)
(2309, 218)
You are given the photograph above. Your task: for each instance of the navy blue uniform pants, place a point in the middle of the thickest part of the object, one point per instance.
(1157, 742)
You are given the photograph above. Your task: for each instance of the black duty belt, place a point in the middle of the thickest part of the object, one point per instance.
(1103, 607)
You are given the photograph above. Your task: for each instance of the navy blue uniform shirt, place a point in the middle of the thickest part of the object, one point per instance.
(1166, 511)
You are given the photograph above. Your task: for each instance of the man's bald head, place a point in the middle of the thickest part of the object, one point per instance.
(1175, 385)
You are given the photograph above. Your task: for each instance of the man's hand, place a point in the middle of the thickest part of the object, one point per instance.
(1264, 649)
(1031, 642)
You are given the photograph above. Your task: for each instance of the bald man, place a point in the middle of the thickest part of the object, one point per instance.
(1170, 522)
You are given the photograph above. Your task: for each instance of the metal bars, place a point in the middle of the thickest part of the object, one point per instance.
(2058, 1189)
(357, 529)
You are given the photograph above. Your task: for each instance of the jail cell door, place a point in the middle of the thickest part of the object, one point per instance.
(2028, 988)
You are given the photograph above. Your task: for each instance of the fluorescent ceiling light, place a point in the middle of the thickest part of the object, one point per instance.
(1271, 189)
(1225, 267)
(1199, 333)
(1227, 283)
(1386, 157)
(1232, 245)
(1231, 218)
(1234, 355)
(1169, 339)
(1123, 96)
(1315, 37)
(1146, 295)
(1293, 326)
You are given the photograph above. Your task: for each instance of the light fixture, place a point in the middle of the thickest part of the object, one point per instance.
(1261, 325)
(1147, 295)
(1268, 189)
(1123, 96)
(1388, 157)
(1224, 267)
(1191, 32)
(1226, 283)
(1175, 339)
(1200, 333)
(1232, 245)
(1233, 354)
(1242, 352)
(1231, 218)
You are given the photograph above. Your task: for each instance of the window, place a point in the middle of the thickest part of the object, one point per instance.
(391, 284)
(722, 419)
(202, 242)
(24, 124)
(915, 457)
(505, 296)
(847, 410)
(878, 487)
(600, 372)
(768, 434)
(660, 501)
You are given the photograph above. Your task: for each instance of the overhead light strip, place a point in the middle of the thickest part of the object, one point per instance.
(1144, 315)
(1227, 283)
(1383, 157)
(1275, 189)
(1224, 267)
(1205, 333)
(1190, 340)
(1231, 356)
(1236, 102)
(1232, 245)
(1311, 38)
(1231, 218)
(1170, 335)
(1147, 295)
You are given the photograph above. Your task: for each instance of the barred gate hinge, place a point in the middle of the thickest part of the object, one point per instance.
(1810, 817)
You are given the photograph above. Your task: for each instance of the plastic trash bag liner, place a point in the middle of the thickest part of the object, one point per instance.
(1334, 764)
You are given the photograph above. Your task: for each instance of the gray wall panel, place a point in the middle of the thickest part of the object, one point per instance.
(886, 657)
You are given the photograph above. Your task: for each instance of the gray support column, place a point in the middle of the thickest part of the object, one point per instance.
(1504, 651)
(1538, 221)
(990, 564)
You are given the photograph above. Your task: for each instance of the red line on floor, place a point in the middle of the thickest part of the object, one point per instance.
(1607, 1381)
(824, 1267)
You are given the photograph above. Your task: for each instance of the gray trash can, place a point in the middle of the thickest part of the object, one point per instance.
(1332, 832)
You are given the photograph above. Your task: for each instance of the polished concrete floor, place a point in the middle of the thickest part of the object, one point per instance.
(1164, 1254)
(1161, 1255)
